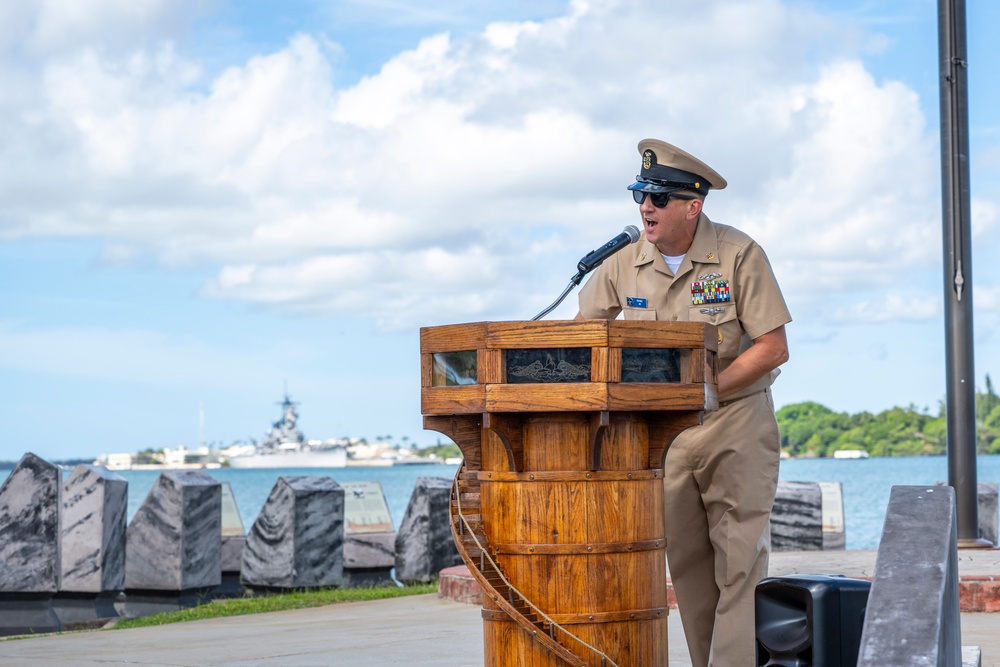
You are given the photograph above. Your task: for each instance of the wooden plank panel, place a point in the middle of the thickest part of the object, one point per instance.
(510, 429)
(606, 364)
(556, 442)
(626, 444)
(453, 400)
(453, 337)
(426, 370)
(693, 366)
(491, 366)
(557, 397)
(640, 333)
(655, 396)
(494, 452)
(555, 333)
(465, 431)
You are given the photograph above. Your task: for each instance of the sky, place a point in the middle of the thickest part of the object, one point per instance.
(204, 203)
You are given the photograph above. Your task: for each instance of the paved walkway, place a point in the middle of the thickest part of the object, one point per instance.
(414, 631)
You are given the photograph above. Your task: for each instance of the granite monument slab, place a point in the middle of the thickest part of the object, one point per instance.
(29, 546)
(174, 540)
(95, 509)
(297, 540)
(424, 545)
(797, 517)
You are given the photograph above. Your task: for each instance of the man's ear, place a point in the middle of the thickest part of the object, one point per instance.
(694, 208)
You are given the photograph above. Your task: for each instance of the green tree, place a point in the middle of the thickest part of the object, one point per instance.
(986, 402)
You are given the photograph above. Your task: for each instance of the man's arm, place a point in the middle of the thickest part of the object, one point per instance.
(768, 351)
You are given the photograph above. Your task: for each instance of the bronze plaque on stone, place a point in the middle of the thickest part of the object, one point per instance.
(365, 509)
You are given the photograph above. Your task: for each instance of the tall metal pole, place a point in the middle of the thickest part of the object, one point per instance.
(955, 200)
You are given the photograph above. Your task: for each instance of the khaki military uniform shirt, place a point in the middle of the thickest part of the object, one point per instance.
(724, 268)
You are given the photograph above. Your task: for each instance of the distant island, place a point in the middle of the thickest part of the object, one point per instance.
(813, 430)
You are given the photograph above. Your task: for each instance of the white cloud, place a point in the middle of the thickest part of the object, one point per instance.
(467, 176)
(891, 308)
(136, 356)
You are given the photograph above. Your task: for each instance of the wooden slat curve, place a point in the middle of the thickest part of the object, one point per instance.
(601, 617)
(571, 476)
(574, 549)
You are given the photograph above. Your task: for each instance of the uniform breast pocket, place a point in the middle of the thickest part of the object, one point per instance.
(725, 321)
(648, 314)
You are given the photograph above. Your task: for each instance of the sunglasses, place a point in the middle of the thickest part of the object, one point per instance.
(659, 199)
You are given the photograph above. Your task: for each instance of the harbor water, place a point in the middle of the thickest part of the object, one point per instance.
(866, 485)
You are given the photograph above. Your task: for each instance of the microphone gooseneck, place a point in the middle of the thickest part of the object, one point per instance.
(594, 258)
(591, 261)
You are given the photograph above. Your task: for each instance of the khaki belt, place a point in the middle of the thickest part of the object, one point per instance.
(723, 404)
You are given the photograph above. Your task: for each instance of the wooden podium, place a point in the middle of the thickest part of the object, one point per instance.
(558, 507)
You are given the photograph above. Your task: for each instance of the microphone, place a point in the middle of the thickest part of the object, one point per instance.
(591, 261)
(594, 258)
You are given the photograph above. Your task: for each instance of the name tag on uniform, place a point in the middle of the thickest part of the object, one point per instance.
(635, 302)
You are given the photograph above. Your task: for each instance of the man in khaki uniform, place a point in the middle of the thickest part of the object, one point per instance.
(720, 477)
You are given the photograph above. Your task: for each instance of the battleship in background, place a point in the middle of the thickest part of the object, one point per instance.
(286, 447)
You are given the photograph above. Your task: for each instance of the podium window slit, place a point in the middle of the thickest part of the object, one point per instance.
(453, 368)
(651, 365)
(552, 365)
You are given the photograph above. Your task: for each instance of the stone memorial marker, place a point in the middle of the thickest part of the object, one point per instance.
(173, 543)
(424, 545)
(297, 540)
(370, 541)
(29, 547)
(834, 531)
(797, 517)
(986, 493)
(95, 507)
(233, 537)
(233, 541)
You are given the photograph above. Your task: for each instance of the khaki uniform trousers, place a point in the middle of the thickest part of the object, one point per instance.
(719, 485)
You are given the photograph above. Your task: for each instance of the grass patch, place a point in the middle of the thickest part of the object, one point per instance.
(303, 599)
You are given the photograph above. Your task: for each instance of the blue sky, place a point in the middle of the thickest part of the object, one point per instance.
(202, 201)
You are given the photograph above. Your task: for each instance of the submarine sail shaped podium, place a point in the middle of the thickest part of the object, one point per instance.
(558, 507)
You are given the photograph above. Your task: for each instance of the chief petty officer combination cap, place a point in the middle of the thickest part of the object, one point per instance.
(666, 168)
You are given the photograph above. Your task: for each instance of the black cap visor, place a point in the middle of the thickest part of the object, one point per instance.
(658, 187)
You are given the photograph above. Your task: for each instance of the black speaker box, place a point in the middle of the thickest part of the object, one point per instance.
(810, 619)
